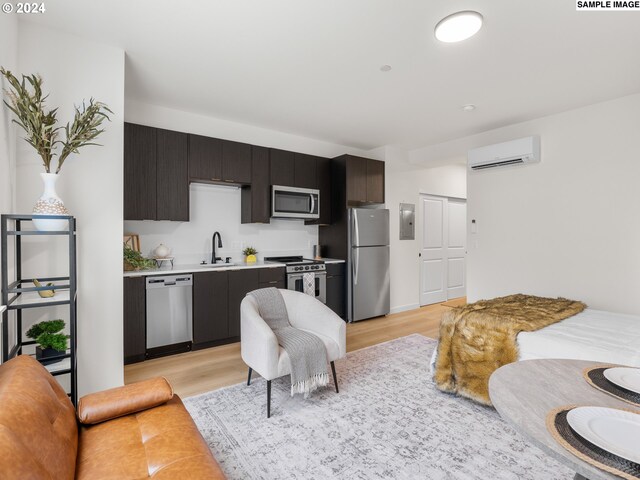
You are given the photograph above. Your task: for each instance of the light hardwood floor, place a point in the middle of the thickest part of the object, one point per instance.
(204, 370)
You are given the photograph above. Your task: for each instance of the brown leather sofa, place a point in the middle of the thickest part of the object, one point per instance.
(133, 432)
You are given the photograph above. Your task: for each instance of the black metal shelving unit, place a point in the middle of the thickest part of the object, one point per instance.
(21, 293)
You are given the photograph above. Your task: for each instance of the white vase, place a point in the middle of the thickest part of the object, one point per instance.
(50, 204)
(162, 251)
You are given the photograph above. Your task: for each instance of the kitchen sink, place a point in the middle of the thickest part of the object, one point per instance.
(217, 265)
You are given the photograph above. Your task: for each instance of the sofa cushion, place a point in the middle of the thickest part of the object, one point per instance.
(38, 430)
(120, 401)
(159, 443)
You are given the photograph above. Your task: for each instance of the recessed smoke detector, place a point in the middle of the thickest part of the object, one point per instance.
(458, 26)
(470, 107)
(385, 68)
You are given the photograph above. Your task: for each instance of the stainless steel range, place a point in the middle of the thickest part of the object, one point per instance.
(297, 267)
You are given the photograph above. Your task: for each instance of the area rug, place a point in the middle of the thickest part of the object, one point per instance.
(388, 421)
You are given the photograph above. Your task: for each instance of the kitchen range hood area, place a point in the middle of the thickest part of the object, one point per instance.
(281, 202)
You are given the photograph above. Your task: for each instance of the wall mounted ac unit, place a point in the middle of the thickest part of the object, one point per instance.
(515, 152)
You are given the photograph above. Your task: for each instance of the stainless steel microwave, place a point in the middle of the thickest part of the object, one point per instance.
(292, 202)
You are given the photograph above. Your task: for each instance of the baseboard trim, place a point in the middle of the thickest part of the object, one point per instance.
(404, 308)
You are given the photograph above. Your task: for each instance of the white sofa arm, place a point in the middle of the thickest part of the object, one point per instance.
(307, 313)
(259, 345)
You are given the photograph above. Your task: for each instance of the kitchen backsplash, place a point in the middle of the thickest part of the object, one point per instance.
(217, 208)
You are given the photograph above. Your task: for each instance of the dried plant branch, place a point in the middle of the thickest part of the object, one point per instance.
(29, 109)
(85, 128)
(27, 102)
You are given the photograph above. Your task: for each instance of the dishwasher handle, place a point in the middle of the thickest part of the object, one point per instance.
(169, 281)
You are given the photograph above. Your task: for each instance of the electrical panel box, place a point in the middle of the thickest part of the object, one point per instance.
(407, 221)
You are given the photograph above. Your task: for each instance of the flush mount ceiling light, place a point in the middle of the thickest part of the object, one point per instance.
(458, 26)
(385, 68)
(470, 107)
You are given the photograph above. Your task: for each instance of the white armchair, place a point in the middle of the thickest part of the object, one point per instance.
(259, 345)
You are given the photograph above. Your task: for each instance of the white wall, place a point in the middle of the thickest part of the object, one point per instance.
(91, 186)
(405, 186)
(569, 225)
(8, 60)
(172, 119)
(216, 208)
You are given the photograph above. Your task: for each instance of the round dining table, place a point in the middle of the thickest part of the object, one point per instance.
(524, 393)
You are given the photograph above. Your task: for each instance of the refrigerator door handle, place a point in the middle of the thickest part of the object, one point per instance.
(355, 265)
(356, 228)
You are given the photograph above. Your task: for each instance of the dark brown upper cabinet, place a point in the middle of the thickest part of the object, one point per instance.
(156, 174)
(304, 171)
(172, 176)
(212, 160)
(362, 179)
(282, 167)
(236, 162)
(205, 159)
(356, 179)
(256, 198)
(323, 177)
(375, 181)
(139, 172)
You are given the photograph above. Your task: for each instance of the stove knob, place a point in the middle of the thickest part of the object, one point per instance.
(298, 268)
(306, 268)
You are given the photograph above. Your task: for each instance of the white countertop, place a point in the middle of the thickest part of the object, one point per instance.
(177, 269)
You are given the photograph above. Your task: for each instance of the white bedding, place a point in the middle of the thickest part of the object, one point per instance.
(590, 335)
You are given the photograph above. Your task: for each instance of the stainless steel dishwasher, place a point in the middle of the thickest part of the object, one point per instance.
(169, 314)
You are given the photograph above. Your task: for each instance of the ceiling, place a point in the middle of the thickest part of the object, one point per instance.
(312, 68)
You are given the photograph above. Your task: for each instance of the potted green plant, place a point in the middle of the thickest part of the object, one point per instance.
(250, 255)
(51, 342)
(27, 102)
(134, 260)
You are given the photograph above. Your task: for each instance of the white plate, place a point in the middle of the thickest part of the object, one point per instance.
(625, 377)
(615, 431)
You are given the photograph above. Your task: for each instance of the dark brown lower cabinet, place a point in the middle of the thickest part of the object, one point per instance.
(210, 308)
(272, 277)
(336, 288)
(241, 282)
(274, 284)
(135, 342)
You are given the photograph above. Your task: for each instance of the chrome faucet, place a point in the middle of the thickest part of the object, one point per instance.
(215, 259)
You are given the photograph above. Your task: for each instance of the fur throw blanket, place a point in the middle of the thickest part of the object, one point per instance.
(479, 338)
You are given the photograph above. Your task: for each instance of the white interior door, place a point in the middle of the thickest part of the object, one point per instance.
(456, 248)
(443, 249)
(433, 253)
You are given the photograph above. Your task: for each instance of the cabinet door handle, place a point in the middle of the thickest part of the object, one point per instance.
(230, 181)
(215, 179)
(275, 281)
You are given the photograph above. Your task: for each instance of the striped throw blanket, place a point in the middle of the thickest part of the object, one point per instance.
(306, 351)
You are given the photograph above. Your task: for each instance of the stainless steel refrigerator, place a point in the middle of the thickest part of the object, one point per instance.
(368, 263)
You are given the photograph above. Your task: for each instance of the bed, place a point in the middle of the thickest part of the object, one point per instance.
(588, 335)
